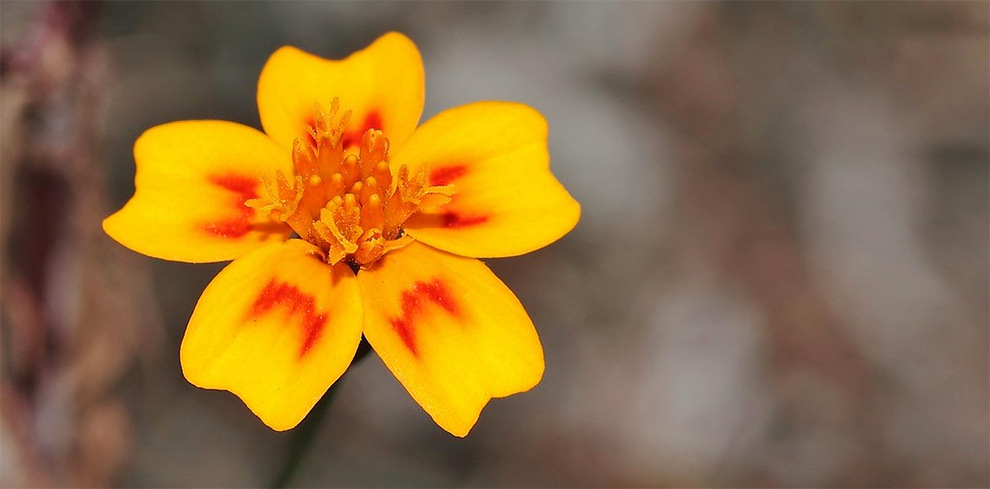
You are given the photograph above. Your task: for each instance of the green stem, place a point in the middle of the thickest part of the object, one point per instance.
(304, 435)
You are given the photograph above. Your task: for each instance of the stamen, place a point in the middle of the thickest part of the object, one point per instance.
(345, 203)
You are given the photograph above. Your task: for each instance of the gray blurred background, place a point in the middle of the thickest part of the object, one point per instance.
(780, 277)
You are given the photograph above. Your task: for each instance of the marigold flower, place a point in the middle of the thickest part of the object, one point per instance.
(344, 218)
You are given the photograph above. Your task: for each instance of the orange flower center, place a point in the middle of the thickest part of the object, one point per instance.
(348, 204)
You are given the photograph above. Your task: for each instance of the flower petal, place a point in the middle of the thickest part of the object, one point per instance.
(191, 183)
(452, 333)
(507, 201)
(382, 84)
(276, 327)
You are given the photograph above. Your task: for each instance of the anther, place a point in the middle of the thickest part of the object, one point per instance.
(372, 216)
(369, 188)
(350, 201)
(371, 183)
(350, 205)
(349, 169)
(335, 187)
(383, 174)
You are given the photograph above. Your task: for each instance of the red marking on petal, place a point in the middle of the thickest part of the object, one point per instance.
(371, 121)
(413, 302)
(403, 327)
(233, 228)
(455, 220)
(438, 294)
(244, 188)
(445, 175)
(296, 303)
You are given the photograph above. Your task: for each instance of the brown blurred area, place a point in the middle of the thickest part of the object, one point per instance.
(780, 278)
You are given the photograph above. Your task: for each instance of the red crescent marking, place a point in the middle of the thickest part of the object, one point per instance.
(446, 174)
(372, 121)
(244, 188)
(296, 303)
(456, 220)
(413, 302)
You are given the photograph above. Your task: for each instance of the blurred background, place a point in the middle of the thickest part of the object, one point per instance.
(780, 277)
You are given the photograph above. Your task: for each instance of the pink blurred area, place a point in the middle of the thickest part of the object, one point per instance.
(780, 277)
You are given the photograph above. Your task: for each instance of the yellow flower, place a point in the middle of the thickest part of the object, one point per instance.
(344, 218)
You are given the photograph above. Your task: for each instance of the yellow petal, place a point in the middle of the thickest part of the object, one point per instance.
(452, 333)
(382, 84)
(192, 180)
(276, 327)
(507, 201)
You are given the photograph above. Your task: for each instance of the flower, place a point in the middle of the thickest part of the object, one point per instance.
(345, 219)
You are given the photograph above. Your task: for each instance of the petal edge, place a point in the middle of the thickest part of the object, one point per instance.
(383, 84)
(276, 327)
(507, 201)
(450, 331)
(191, 183)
